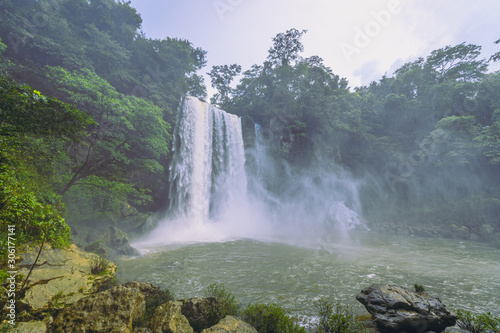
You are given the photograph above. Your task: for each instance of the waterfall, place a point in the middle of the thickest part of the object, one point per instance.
(260, 153)
(208, 188)
(317, 200)
(207, 171)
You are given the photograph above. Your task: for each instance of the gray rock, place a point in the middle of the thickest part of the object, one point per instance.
(196, 310)
(169, 318)
(398, 309)
(103, 239)
(231, 325)
(118, 241)
(112, 310)
(97, 248)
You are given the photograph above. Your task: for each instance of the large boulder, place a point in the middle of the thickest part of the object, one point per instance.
(169, 318)
(113, 310)
(398, 309)
(231, 325)
(60, 276)
(197, 312)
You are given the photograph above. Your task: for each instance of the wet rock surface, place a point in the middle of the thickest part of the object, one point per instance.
(398, 309)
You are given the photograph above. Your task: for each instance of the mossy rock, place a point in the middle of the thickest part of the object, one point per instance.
(60, 277)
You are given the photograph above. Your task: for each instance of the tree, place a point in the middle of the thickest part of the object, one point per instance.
(410, 79)
(221, 78)
(129, 137)
(24, 110)
(33, 129)
(286, 47)
(457, 63)
(496, 56)
(103, 36)
(489, 139)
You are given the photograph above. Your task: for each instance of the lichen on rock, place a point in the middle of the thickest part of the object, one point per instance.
(60, 276)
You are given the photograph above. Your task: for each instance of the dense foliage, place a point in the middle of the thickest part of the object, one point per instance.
(33, 130)
(94, 129)
(102, 150)
(225, 304)
(270, 318)
(478, 323)
(426, 141)
(336, 318)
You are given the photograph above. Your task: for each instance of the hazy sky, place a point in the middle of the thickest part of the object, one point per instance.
(359, 39)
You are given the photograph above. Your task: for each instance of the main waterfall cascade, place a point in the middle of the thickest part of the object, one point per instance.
(212, 199)
(208, 167)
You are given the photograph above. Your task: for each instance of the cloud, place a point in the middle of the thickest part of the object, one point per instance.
(241, 31)
(369, 71)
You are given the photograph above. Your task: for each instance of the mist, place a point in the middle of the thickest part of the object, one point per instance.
(214, 200)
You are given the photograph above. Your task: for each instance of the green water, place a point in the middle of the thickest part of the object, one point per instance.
(462, 274)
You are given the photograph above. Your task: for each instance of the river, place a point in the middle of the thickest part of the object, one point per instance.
(462, 274)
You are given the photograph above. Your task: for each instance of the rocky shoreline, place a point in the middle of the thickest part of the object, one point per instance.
(71, 290)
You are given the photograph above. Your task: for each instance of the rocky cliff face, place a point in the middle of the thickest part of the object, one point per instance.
(60, 276)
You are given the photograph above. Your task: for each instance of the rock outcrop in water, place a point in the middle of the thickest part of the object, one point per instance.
(397, 309)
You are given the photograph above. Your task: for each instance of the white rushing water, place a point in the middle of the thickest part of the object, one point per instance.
(208, 183)
(207, 172)
(210, 196)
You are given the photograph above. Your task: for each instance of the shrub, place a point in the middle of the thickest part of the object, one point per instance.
(270, 318)
(225, 303)
(36, 214)
(337, 318)
(478, 323)
(98, 265)
(161, 297)
(419, 288)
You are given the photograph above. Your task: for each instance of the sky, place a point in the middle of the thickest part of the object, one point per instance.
(360, 40)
